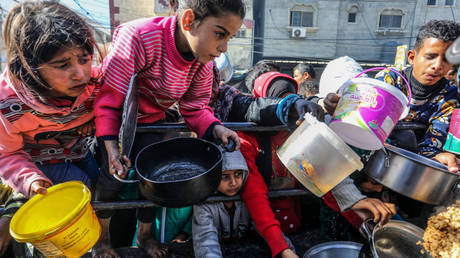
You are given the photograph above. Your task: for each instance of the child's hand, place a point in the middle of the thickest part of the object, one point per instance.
(330, 102)
(448, 159)
(371, 207)
(222, 133)
(302, 106)
(115, 164)
(288, 253)
(182, 237)
(87, 129)
(38, 187)
(5, 237)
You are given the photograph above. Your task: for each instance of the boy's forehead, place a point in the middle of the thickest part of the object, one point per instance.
(433, 45)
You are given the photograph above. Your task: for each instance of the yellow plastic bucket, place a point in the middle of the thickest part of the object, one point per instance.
(59, 223)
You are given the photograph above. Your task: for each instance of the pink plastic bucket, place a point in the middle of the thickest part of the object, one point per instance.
(453, 138)
(368, 110)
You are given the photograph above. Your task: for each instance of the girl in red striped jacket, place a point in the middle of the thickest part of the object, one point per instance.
(171, 57)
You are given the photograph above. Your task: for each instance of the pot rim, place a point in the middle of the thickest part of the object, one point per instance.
(402, 225)
(143, 178)
(419, 159)
(332, 245)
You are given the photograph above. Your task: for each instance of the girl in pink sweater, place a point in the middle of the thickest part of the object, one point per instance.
(46, 98)
(171, 57)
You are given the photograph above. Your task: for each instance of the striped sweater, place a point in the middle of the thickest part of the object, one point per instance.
(36, 133)
(434, 111)
(146, 47)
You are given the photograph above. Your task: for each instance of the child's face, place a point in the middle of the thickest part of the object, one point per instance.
(231, 183)
(208, 38)
(68, 72)
(451, 74)
(429, 62)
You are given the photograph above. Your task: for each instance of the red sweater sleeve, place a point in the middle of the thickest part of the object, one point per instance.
(194, 104)
(255, 197)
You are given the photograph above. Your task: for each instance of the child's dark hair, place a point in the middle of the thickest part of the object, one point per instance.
(261, 67)
(215, 8)
(308, 88)
(304, 67)
(34, 32)
(444, 30)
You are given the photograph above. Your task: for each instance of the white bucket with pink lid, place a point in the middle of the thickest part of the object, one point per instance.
(368, 110)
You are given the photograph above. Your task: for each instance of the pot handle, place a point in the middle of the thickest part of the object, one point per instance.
(387, 157)
(366, 229)
(117, 177)
(230, 147)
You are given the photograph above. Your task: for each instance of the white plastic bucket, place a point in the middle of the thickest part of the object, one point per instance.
(367, 112)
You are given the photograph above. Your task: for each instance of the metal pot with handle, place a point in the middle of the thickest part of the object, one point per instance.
(392, 240)
(333, 249)
(412, 175)
(179, 172)
(173, 173)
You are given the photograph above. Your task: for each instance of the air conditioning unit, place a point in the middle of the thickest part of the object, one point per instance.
(299, 32)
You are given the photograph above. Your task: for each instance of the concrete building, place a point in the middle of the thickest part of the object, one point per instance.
(240, 47)
(367, 30)
(122, 11)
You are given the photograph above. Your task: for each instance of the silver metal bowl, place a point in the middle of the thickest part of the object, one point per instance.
(333, 249)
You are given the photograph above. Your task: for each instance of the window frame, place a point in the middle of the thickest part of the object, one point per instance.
(241, 33)
(302, 16)
(352, 10)
(307, 16)
(391, 12)
(452, 5)
(354, 18)
(428, 3)
(392, 17)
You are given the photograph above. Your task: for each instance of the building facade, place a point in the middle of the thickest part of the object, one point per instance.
(367, 30)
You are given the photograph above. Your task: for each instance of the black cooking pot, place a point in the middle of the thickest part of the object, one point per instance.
(178, 172)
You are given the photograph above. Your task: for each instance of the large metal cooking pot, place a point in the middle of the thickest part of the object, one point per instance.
(392, 240)
(411, 175)
(178, 172)
(334, 249)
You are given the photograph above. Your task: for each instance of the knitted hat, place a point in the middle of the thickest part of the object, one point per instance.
(235, 161)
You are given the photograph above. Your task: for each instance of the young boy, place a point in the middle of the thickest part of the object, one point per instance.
(226, 220)
(433, 99)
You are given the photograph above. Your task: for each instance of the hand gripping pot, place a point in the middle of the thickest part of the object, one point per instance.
(317, 157)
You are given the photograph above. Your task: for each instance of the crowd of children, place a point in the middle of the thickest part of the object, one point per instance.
(55, 101)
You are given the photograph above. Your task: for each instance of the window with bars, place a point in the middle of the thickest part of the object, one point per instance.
(390, 21)
(301, 19)
(449, 3)
(431, 2)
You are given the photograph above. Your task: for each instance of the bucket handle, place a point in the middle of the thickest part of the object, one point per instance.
(383, 68)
